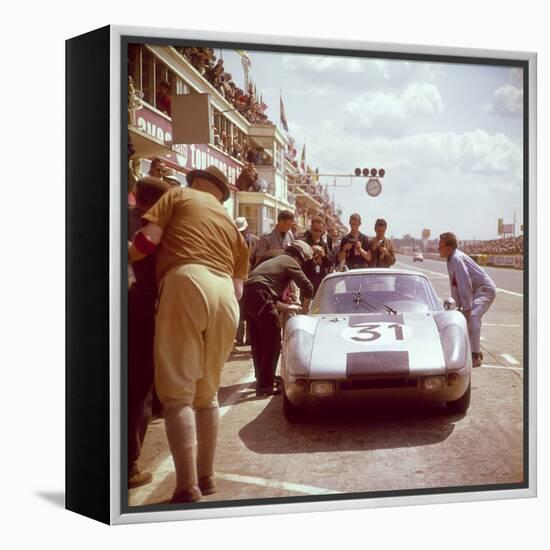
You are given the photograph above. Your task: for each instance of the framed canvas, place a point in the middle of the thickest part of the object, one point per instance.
(217, 368)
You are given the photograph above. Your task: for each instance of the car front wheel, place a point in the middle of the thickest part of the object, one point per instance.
(460, 406)
(291, 412)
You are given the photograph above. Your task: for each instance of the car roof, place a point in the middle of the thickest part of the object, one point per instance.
(374, 271)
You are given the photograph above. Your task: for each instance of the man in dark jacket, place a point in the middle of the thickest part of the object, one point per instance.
(355, 250)
(262, 290)
(383, 251)
(142, 296)
(252, 243)
(317, 268)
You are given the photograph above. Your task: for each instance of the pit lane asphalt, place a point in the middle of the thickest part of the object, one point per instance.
(386, 447)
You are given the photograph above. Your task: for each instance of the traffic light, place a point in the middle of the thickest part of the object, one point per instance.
(373, 172)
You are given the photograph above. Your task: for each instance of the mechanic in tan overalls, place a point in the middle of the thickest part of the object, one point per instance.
(202, 261)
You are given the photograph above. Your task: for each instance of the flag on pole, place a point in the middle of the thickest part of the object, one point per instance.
(246, 63)
(284, 122)
(317, 175)
(303, 159)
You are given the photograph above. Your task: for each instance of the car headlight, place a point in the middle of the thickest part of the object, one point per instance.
(321, 389)
(434, 383)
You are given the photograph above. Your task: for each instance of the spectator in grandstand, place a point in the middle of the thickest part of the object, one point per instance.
(248, 179)
(226, 87)
(224, 141)
(164, 102)
(236, 151)
(508, 245)
(203, 61)
(240, 98)
(251, 155)
(473, 290)
(217, 140)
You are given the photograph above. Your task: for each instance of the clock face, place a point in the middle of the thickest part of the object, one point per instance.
(374, 187)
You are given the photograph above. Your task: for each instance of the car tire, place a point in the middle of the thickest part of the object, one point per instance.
(460, 406)
(291, 412)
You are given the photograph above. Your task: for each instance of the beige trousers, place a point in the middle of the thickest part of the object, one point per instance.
(196, 322)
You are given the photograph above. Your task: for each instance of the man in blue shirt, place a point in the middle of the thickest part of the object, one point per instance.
(473, 290)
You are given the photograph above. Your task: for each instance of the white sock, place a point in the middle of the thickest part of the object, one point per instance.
(208, 421)
(182, 438)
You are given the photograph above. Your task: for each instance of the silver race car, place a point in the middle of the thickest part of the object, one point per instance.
(375, 332)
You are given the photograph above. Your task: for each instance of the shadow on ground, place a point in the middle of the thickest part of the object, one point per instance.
(371, 427)
(242, 354)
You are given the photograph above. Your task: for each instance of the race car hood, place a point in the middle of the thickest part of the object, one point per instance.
(376, 344)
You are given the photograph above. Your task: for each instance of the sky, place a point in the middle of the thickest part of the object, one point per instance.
(449, 136)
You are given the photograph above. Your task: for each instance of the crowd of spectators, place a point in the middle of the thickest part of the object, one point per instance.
(508, 245)
(212, 68)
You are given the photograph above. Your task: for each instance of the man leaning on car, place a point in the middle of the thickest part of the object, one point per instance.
(473, 290)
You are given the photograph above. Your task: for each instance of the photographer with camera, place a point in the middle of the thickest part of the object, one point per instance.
(317, 268)
(383, 251)
(355, 250)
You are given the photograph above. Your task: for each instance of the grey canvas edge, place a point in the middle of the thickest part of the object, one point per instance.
(116, 272)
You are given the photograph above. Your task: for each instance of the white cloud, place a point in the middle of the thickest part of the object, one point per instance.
(446, 181)
(333, 64)
(356, 73)
(507, 101)
(423, 155)
(388, 111)
(317, 91)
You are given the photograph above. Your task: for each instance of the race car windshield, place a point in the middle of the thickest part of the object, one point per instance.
(375, 293)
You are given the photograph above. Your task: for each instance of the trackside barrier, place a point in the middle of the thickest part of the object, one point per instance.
(514, 261)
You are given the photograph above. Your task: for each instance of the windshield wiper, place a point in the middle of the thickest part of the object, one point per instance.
(358, 299)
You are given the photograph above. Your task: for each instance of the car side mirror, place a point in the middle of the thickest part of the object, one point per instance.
(449, 304)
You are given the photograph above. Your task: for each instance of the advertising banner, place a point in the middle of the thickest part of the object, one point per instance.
(188, 156)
